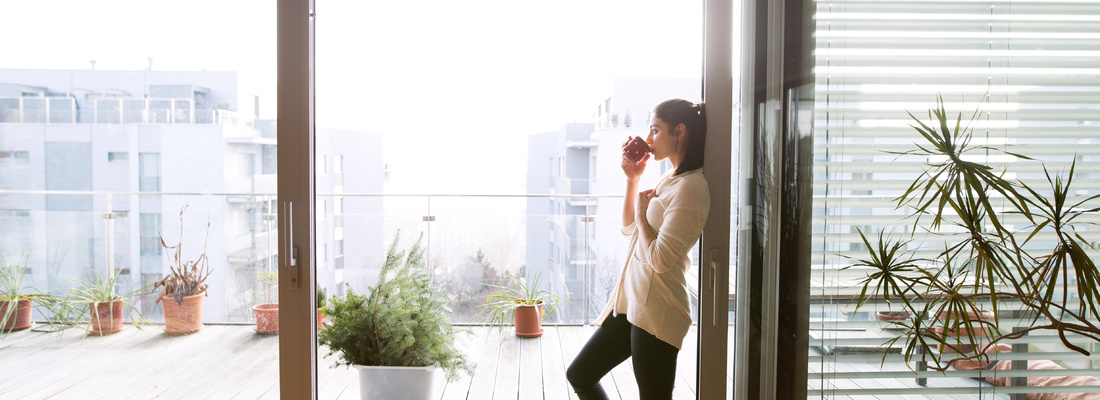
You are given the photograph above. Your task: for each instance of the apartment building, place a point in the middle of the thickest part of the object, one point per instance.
(121, 153)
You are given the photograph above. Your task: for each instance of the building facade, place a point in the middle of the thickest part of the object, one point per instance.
(95, 166)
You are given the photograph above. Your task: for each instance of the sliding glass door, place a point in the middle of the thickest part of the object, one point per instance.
(491, 132)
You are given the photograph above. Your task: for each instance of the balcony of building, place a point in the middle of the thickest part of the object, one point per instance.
(67, 110)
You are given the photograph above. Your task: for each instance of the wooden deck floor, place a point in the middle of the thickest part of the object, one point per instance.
(233, 362)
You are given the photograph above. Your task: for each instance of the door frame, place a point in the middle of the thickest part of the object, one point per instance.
(713, 362)
(297, 311)
(296, 129)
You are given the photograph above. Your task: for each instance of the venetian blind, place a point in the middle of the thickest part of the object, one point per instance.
(1033, 70)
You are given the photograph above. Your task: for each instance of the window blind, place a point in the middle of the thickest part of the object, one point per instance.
(1032, 69)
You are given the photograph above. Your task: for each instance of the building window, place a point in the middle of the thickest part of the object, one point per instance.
(149, 172)
(15, 155)
(118, 156)
(15, 213)
(150, 234)
(337, 164)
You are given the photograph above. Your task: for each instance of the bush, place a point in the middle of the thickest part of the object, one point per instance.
(402, 321)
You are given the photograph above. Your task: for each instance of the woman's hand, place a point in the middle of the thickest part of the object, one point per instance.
(643, 204)
(633, 170)
(645, 233)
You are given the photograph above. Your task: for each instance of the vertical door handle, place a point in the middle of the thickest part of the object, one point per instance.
(714, 286)
(289, 248)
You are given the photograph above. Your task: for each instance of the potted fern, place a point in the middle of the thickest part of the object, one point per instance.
(183, 289)
(1044, 271)
(398, 333)
(520, 304)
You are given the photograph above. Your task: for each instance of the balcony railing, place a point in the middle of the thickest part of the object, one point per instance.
(471, 241)
(65, 110)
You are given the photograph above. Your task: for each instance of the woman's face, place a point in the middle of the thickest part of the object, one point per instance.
(662, 139)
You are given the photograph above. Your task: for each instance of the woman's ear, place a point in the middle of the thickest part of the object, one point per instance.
(679, 130)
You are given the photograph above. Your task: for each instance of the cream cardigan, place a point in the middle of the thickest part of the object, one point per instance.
(652, 289)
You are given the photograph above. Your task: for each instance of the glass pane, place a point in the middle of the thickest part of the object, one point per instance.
(102, 144)
(494, 129)
(1020, 69)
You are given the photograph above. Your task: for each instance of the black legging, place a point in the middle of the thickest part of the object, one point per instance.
(654, 360)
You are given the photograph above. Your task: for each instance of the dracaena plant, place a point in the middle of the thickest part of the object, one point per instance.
(185, 277)
(1043, 273)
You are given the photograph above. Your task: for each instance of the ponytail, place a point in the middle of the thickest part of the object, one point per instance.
(694, 117)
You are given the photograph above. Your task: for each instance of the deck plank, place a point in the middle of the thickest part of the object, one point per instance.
(570, 346)
(121, 374)
(508, 367)
(343, 383)
(184, 362)
(470, 344)
(531, 369)
(248, 361)
(55, 371)
(554, 384)
(258, 387)
(331, 378)
(481, 384)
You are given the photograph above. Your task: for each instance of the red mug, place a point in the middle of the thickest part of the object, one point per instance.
(636, 150)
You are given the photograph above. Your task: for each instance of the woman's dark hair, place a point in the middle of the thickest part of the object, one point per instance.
(679, 111)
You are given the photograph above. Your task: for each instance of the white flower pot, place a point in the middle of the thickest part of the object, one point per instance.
(396, 383)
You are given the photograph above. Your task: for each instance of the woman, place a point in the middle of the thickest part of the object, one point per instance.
(648, 313)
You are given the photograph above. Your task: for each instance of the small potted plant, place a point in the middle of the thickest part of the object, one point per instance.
(183, 289)
(890, 316)
(15, 303)
(397, 334)
(267, 314)
(321, 296)
(104, 305)
(522, 304)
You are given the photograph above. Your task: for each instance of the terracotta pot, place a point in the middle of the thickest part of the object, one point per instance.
(892, 315)
(320, 319)
(267, 318)
(19, 319)
(182, 318)
(528, 321)
(106, 317)
(960, 340)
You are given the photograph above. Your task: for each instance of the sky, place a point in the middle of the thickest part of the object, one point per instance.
(461, 84)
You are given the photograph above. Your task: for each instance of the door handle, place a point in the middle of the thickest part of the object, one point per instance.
(289, 248)
(714, 286)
